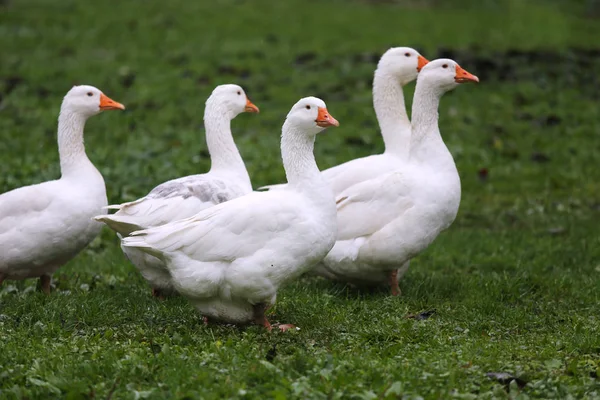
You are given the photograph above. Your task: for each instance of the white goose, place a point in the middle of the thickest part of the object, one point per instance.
(45, 225)
(397, 67)
(231, 259)
(183, 197)
(385, 221)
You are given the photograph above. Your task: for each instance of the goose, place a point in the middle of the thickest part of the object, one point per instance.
(230, 260)
(397, 67)
(385, 221)
(183, 197)
(45, 225)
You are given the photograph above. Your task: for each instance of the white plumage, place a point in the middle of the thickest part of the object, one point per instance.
(183, 197)
(385, 221)
(397, 67)
(45, 225)
(231, 259)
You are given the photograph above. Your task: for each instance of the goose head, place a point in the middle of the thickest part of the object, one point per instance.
(446, 74)
(310, 114)
(88, 101)
(404, 63)
(233, 98)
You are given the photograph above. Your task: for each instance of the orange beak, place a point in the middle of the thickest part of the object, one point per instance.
(462, 76)
(324, 119)
(106, 103)
(251, 108)
(422, 62)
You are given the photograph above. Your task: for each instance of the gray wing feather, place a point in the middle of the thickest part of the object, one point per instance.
(206, 190)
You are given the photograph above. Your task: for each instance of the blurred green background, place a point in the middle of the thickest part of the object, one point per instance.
(515, 281)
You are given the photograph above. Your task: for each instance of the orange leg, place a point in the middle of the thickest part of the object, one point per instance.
(46, 280)
(393, 280)
(261, 319)
(259, 316)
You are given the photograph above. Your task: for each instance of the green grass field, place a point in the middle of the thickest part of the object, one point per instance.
(514, 283)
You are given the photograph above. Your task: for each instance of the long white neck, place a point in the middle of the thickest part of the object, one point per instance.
(298, 158)
(388, 101)
(71, 149)
(224, 153)
(427, 145)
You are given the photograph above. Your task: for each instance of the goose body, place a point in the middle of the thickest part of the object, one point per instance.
(386, 221)
(183, 197)
(45, 225)
(231, 259)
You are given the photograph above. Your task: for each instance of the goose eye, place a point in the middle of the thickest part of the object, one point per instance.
(445, 66)
(407, 54)
(90, 94)
(308, 107)
(239, 93)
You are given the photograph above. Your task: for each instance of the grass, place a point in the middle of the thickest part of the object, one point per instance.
(514, 283)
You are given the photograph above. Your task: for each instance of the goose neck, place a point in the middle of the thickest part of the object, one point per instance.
(298, 158)
(71, 149)
(223, 152)
(388, 102)
(427, 145)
